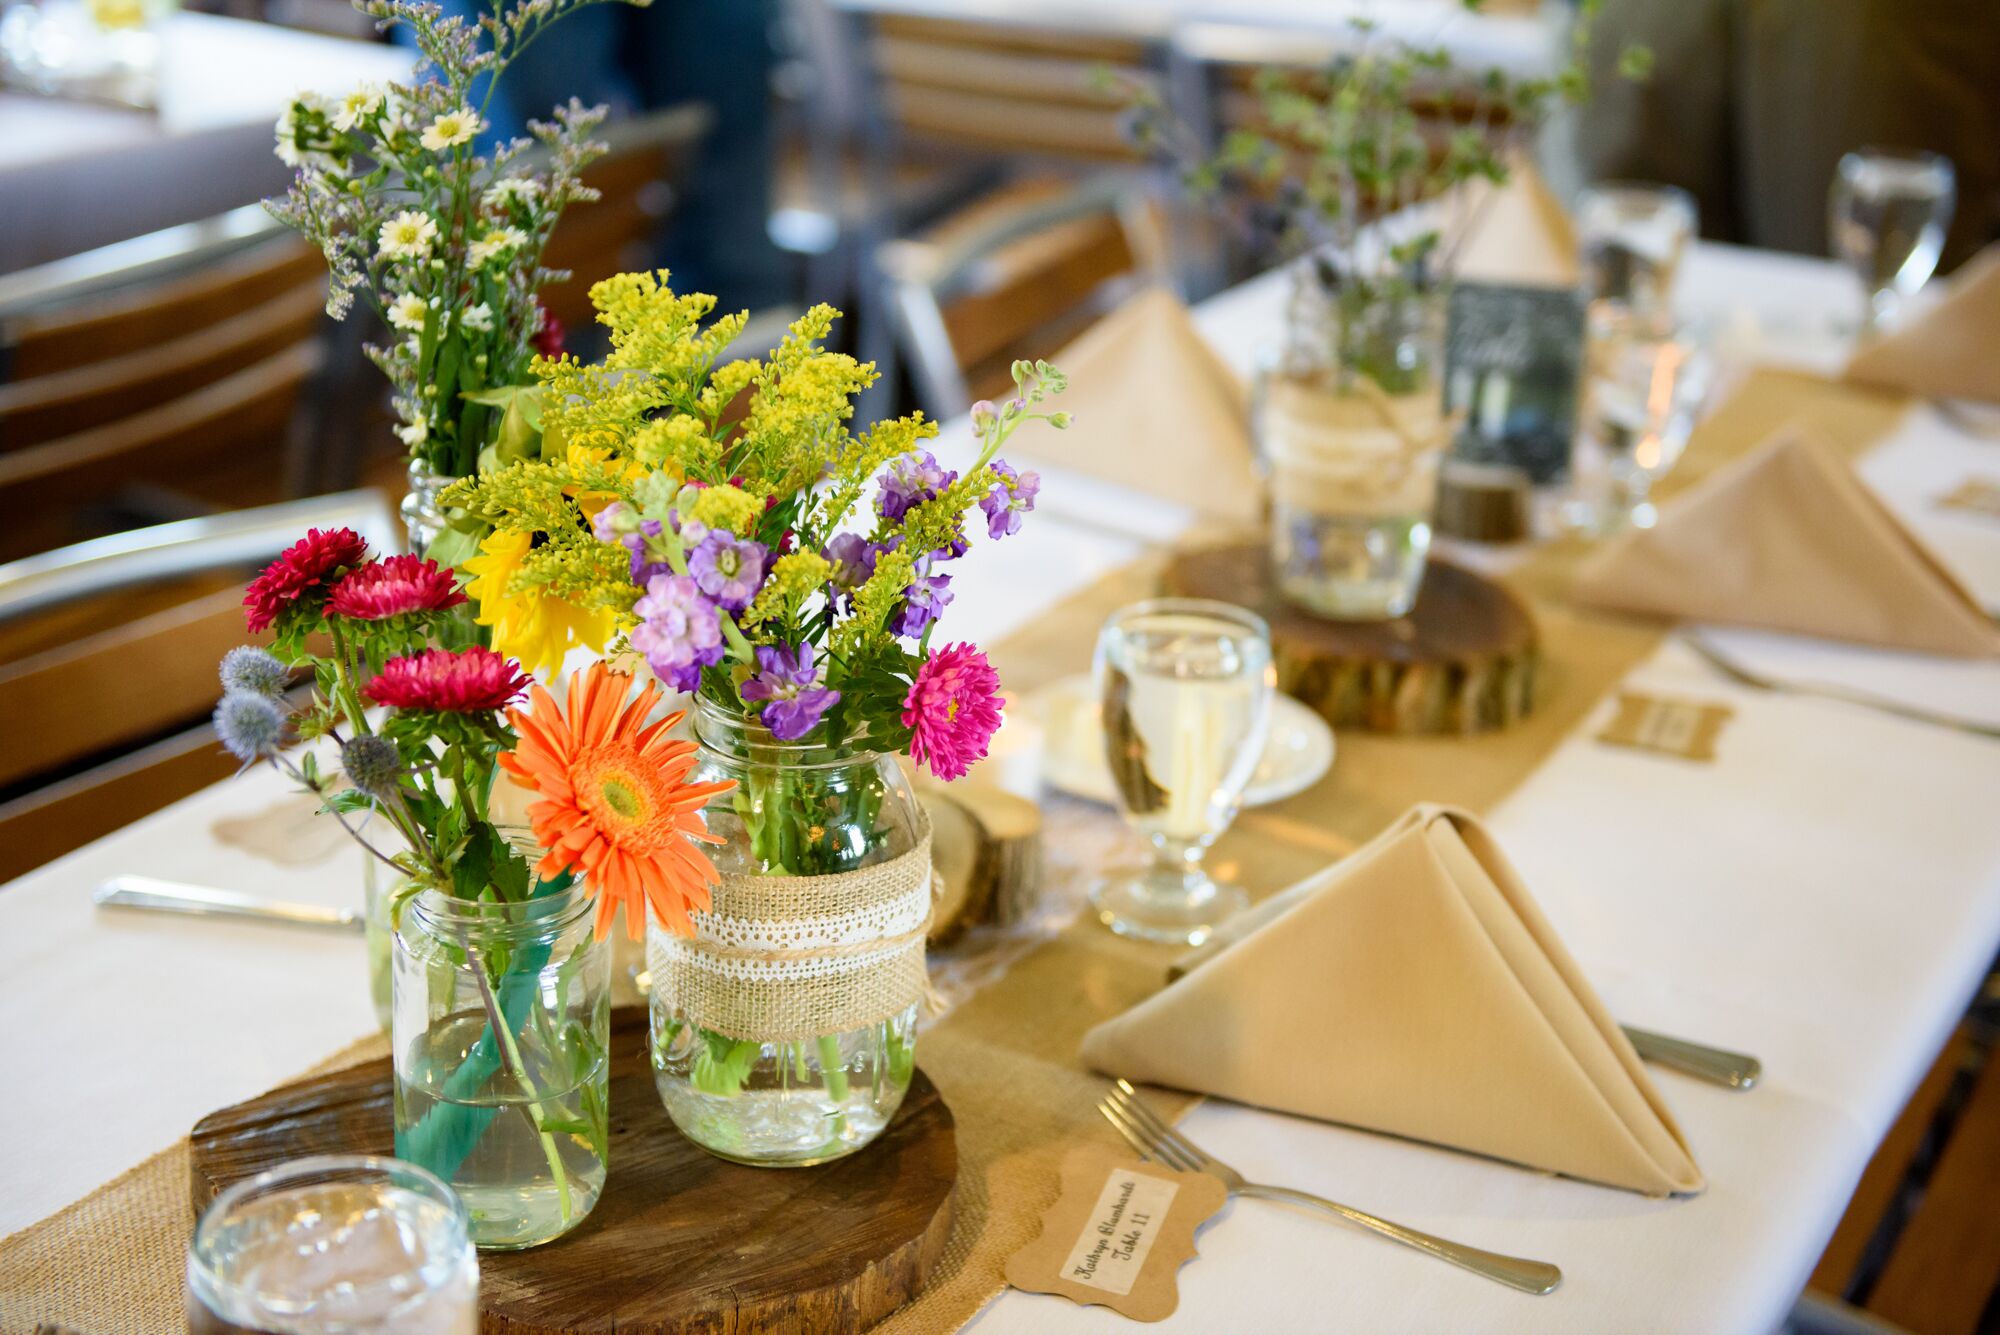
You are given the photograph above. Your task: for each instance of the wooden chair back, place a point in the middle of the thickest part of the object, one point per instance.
(1019, 274)
(183, 376)
(637, 180)
(1004, 88)
(107, 677)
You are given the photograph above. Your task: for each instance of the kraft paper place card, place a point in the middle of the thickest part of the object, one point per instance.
(1118, 1233)
(1686, 729)
(1975, 495)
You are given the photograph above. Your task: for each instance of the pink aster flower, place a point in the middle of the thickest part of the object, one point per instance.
(303, 568)
(470, 681)
(394, 586)
(954, 706)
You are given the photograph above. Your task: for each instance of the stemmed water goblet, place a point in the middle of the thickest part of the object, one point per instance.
(1185, 687)
(1886, 218)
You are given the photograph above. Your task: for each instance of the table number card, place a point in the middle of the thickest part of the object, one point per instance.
(1976, 495)
(1683, 728)
(1118, 1233)
(1514, 368)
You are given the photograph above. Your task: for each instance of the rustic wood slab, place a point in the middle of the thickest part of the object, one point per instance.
(1462, 661)
(680, 1241)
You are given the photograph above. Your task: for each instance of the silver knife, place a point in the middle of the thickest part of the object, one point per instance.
(143, 892)
(1718, 1066)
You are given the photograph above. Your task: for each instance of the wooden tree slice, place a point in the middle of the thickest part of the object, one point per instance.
(680, 1241)
(986, 846)
(1462, 661)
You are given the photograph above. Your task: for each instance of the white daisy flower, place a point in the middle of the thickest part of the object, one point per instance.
(512, 190)
(357, 106)
(496, 243)
(408, 312)
(479, 319)
(450, 129)
(408, 235)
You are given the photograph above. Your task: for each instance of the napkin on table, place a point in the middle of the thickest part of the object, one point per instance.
(1952, 350)
(1789, 538)
(1523, 235)
(1156, 410)
(1413, 988)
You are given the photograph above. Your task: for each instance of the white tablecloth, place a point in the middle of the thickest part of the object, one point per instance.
(1826, 895)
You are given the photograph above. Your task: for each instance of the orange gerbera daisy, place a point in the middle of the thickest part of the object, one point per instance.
(616, 804)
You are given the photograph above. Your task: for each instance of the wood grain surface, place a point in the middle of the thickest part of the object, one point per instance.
(1462, 661)
(680, 1241)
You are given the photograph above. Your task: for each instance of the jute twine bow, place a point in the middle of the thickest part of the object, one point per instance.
(778, 959)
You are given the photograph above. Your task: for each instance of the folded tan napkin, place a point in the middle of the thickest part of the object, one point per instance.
(1157, 411)
(1523, 235)
(1413, 988)
(1789, 538)
(1952, 350)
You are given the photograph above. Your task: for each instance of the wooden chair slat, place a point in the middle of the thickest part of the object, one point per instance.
(117, 323)
(1080, 45)
(67, 402)
(78, 700)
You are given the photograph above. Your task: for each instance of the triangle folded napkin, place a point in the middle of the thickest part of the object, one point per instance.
(1521, 236)
(1948, 351)
(1413, 988)
(1789, 538)
(1157, 411)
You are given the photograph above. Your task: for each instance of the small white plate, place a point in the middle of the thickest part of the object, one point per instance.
(1297, 756)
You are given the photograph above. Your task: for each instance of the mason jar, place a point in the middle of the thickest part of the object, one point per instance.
(784, 1031)
(500, 1033)
(1351, 427)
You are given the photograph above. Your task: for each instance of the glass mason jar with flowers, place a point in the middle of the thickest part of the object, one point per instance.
(722, 523)
(444, 241)
(500, 1013)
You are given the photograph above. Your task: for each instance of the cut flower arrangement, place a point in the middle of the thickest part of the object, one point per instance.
(722, 522)
(501, 1014)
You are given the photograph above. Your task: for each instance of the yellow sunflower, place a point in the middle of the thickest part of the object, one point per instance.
(535, 627)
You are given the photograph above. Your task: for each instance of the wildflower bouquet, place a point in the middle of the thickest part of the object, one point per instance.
(723, 521)
(421, 728)
(444, 241)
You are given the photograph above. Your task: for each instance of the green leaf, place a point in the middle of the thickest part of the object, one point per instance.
(346, 800)
(722, 1065)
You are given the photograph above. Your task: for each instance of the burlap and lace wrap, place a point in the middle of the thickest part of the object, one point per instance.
(777, 959)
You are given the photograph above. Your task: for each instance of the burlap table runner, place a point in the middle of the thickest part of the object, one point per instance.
(1005, 1059)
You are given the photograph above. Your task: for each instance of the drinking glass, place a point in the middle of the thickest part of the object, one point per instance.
(1642, 395)
(334, 1245)
(1633, 236)
(1185, 686)
(1886, 217)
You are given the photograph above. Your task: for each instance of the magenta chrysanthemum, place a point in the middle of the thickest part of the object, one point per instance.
(394, 586)
(470, 681)
(954, 708)
(301, 568)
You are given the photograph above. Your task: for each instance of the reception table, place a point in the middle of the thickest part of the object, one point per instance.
(1825, 895)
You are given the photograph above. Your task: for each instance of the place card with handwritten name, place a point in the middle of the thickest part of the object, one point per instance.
(1684, 728)
(1118, 1233)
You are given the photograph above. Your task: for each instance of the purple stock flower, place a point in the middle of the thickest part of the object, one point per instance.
(853, 559)
(680, 632)
(789, 683)
(619, 523)
(912, 479)
(925, 599)
(728, 568)
(1009, 500)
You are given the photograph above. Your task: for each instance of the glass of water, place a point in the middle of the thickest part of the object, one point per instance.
(1643, 392)
(1886, 216)
(1633, 236)
(1185, 686)
(334, 1245)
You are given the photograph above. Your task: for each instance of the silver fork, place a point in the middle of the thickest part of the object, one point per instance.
(1154, 1139)
(1757, 681)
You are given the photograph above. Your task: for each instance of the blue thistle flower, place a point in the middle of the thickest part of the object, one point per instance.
(248, 668)
(251, 726)
(373, 764)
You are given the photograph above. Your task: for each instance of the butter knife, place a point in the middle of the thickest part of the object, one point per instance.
(1718, 1066)
(143, 892)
